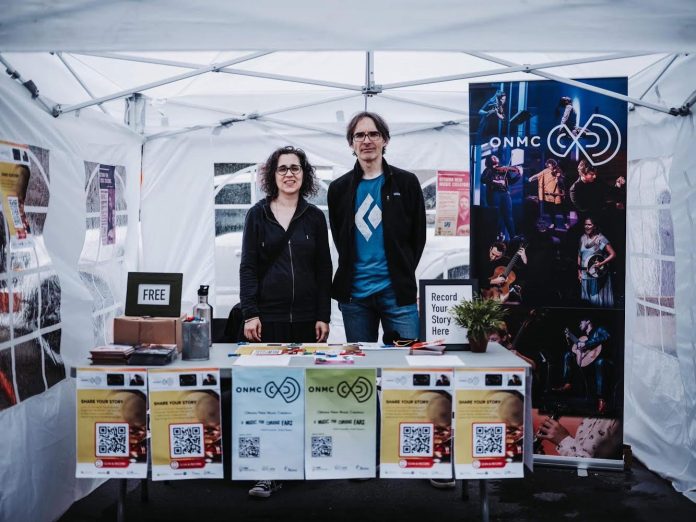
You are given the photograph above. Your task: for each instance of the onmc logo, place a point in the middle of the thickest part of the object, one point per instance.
(289, 390)
(601, 140)
(361, 389)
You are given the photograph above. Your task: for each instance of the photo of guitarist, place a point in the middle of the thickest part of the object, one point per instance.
(586, 353)
(594, 255)
(504, 273)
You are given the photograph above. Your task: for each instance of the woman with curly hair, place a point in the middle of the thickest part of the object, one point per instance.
(285, 270)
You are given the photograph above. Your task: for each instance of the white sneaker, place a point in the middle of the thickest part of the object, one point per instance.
(264, 488)
(443, 483)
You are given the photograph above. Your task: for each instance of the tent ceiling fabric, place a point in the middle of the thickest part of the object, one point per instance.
(532, 25)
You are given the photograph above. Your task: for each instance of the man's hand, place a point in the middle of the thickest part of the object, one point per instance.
(498, 280)
(252, 329)
(322, 330)
(552, 430)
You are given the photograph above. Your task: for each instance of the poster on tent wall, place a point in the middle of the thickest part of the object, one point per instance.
(102, 260)
(268, 424)
(549, 174)
(452, 205)
(111, 423)
(185, 423)
(340, 423)
(489, 420)
(30, 360)
(416, 436)
(107, 204)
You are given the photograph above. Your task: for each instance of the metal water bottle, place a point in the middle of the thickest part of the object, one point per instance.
(204, 311)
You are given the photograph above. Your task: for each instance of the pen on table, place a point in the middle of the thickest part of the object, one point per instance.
(233, 354)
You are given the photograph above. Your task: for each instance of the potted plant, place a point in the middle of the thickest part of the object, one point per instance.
(479, 316)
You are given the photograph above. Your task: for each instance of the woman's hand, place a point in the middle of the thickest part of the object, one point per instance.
(252, 329)
(552, 430)
(322, 330)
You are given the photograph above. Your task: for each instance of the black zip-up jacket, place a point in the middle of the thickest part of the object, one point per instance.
(403, 219)
(296, 286)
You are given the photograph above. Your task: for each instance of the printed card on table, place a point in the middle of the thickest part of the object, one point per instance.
(340, 423)
(489, 416)
(185, 424)
(267, 424)
(111, 423)
(416, 423)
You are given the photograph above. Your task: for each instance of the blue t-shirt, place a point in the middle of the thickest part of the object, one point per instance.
(370, 273)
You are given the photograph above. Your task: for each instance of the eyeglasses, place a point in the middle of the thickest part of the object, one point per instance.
(373, 135)
(292, 169)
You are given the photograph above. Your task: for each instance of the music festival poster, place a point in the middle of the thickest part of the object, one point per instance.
(340, 423)
(185, 423)
(111, 423)
(452, 203)
(489, 423)
(548, 163)
(267, 424)
(416, 435)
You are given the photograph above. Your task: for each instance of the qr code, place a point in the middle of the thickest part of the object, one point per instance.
(416, 440)
(13, 203)
(322, 445)
(489, 439)
(112, 439)
(249, 447)
(185, 440)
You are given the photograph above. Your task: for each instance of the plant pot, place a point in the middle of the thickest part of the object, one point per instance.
(478, 344)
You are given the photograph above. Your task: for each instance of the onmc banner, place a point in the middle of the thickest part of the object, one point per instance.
(268, 423)
(340, 434)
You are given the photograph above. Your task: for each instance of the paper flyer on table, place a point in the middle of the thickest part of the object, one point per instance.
(489, 422)
(340, 423)
(185, 423)
(111, 423)
(268, 424)
(416, 423)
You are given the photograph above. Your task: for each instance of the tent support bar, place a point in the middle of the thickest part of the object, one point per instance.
(430, 126)
(301, 126)
(422, 104)
(239, 72)
(304, 105)
(28, 84)
(78, 79)
(509, 68)
(58, 110)
(660, 75)
(224, 123)
(201, 106)
(581, 85)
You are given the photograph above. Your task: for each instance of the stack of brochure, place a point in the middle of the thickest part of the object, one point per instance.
(428, 348)
(111, 354)
(153, 354)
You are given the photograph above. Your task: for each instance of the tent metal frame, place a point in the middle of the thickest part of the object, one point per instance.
(369, 89)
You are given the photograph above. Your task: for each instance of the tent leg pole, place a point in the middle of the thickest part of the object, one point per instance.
(121, 502)
(483, 493)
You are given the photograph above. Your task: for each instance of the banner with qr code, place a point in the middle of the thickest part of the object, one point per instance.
(268, 424)
(111, 423)
(452, 203)
(340, 423)
(107, 204)
(416, 423)
(185, 424)
(489, 420)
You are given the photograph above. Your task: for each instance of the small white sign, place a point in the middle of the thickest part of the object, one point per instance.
(437, 302)
(157, 295)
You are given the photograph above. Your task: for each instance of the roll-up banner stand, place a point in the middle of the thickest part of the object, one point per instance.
(548, 234)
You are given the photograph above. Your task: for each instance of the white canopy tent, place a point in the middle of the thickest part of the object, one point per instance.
(291, 74)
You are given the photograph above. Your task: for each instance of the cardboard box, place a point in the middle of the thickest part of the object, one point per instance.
(151, 330)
